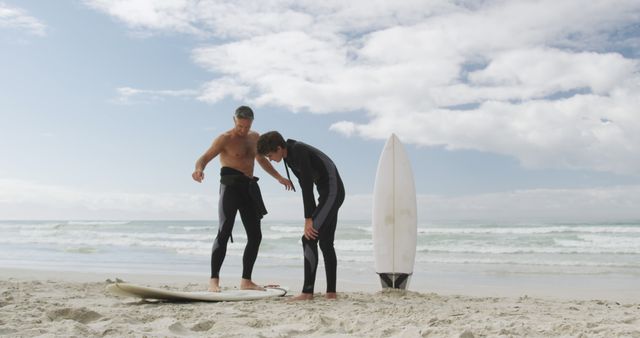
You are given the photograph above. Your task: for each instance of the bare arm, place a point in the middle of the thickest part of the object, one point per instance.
(266, 165)
(210, 154)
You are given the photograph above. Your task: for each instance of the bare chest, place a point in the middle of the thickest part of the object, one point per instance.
(240, 149)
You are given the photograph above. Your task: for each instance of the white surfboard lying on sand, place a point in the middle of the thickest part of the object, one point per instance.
(394, 217)
(145, 292)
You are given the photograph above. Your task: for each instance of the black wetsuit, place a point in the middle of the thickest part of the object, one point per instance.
(312, 166)
(238, 192)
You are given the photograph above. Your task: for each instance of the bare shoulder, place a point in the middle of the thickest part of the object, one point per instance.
(254, 135)
(224, 137)
(221, 141)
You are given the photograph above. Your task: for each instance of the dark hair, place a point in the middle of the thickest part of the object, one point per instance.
(244, 112)
(269, 142)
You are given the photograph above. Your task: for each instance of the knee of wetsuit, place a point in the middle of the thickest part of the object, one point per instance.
(255, 239)
(305, 240)
(325, 245)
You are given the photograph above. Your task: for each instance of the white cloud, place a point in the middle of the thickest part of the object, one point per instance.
(19, 199)
(249, 18)
(527, 74)
(217, 90)
(169, 15)
(344, 127)
(545, 81)
(128, 95)
(17, 18)
(556, 205)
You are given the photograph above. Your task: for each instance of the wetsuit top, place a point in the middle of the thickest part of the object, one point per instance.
(310, 166)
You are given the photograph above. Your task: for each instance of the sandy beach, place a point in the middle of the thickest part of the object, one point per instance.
(37, 303)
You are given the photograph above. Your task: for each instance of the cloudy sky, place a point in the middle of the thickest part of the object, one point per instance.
(510, 110)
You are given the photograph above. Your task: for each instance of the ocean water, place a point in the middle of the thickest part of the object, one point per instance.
(184, 247)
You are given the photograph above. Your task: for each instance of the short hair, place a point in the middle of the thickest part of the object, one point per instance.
(269, 142)
(244, 112)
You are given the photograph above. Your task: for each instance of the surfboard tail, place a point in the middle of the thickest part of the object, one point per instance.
(391, 280)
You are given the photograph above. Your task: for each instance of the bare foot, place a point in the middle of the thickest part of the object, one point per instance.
(303, 296)
(247, 284)
(331, 295)
(214, 285)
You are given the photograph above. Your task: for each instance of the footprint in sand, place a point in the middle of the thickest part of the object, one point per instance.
(203, 326)
(178, 328)
(7, 331)
(81, 315)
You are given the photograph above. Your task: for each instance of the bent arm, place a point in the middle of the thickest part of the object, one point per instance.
(306, 183)
(266, 166)
(210, 154)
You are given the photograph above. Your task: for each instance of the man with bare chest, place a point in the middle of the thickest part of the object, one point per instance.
(239, 191)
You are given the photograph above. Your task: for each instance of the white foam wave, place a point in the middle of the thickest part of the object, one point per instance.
(357, 245)
(93, 223)
(602, 246)
(19, 226)
(272, 255)
(62, 234)
(193, 228)
(194, 251)
(81, 250)
(284, 228)
(355, 259)
(274, 237)
(532, 262)
(611, 241)
(531, 230)
(116, 241)
(496, 250)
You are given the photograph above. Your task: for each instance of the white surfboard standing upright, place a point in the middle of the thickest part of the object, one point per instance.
(394, 216)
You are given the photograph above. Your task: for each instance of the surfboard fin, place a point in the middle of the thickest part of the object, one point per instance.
(394, 280)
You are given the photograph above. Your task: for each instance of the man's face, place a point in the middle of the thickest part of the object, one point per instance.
(242, 126)
(276, 155)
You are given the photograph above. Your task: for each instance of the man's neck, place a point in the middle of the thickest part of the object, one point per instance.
(236, 134)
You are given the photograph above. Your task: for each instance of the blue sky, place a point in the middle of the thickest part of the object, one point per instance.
(521, 110)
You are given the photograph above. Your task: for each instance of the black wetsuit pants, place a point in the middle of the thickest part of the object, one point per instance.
(233, 198)
(325, 220)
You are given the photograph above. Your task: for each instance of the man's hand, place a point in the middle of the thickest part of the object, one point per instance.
(198, 176)
(309, 232)
(287, 184)
(266, 165)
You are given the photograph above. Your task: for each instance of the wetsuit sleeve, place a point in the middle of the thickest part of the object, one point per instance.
(306, 182)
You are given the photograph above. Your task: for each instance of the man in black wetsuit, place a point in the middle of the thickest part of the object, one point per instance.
(239, 191)
(311, 166)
